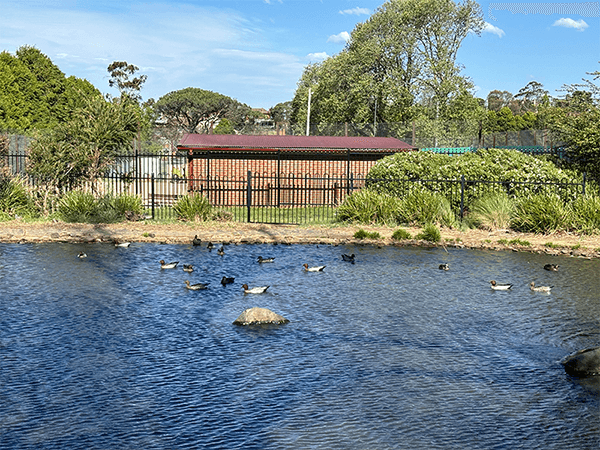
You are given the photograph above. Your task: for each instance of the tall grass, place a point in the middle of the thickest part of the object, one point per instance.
(367, 206)
(586, 214)
(492, 211)
(15, 201)
(423, 207)
(193, 208)
(542, 214)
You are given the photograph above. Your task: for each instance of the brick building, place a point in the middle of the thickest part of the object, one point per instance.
(317, 165)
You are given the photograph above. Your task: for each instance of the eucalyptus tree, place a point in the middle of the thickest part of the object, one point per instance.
(397, 65)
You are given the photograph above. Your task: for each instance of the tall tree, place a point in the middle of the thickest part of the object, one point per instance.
(532, 96)
(122, 77)
(496, 100)
(194, 110)
(399, 63)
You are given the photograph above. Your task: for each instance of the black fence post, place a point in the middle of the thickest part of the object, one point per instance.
(152, 193)
(249, 194)
(583, 184)
(462, 196)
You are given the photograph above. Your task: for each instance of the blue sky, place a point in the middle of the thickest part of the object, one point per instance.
(255, 50)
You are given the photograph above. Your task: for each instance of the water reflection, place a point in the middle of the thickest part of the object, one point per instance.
(389, 352)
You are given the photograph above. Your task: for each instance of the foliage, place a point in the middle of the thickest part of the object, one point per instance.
(281, 112)
(401, 234)
(192, 208)
(84, 207)
(362, 234)
(15, 200)
(586, 214)
(492, 211)
(541, 214)
(366, 206)
(422, 207)
(224, 127)
(121, 74)
(430, 233)
(80, 151)
(399, 64)
(195, 110)
(35, 94)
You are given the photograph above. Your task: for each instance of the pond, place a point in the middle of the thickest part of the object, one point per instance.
(111, 351)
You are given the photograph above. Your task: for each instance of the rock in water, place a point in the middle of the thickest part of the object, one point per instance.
(583, 363)
(255, 316)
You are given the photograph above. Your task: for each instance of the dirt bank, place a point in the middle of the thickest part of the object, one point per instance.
(235, 233)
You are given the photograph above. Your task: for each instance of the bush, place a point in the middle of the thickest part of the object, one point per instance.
(491, 212)
(367, 206)
(586, 214)
(430, 233)
(83, 207)
(362, 234)
(401, 234)
(422, 207)
(14, 200)
(193, 208)
(542, 214)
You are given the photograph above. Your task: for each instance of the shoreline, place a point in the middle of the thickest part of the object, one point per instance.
(565, 244)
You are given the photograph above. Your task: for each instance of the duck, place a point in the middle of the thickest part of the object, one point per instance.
(444, 266)
(260, 259)
(221, 251)
(171, 265)
(82, 255)
(551, 267)
(349, 258)
(197, 286)
(188, 268)
(210, 246)
(500, 286)
(313, 269)
(227, 280)
(254, 290)
(196, 240)
(535, 288)
(122, 244)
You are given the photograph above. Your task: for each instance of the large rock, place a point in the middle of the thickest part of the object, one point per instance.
(255, 316)
(583, 363)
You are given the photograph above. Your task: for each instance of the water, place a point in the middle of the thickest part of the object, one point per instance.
(388, 353)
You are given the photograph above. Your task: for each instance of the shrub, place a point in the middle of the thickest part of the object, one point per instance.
(367, 206)
(77, 207)
(423, 207)
(491, 212)
(430, 233)
(14, 199)
(401, 234)
(193, 208)
(586, 214)
(541, 214)
(362, 234)
(125, 203)
(83, 207)
(222, 215)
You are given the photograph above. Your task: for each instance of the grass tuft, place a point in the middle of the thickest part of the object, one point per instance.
(430, 233)
(401, 234)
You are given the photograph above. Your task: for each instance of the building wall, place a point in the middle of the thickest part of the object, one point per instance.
(315, 182)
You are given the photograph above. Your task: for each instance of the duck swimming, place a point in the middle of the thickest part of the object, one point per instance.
(82, 255)
(188, 268)
(444, 267)
(535, 288)
(551, 267)
(313, 269)
(254, 290)
(171, 265)
(349, 258)
(196, 240)
(122, 244)
(500, 286)
(221, 251)
(197, 286)
(227, 280)
(260, 259)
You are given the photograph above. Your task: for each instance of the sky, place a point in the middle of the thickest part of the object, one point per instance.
(256, 50)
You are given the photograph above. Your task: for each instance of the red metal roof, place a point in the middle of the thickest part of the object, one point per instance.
(239, 142)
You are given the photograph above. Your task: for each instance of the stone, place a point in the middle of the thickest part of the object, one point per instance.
(257, 316)
(583, 363)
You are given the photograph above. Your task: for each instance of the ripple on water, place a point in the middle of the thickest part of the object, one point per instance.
(390, 352)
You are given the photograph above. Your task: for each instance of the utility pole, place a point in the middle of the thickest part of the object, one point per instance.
(308, 113)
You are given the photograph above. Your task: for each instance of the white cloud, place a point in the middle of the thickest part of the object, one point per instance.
(320, 56)
(489, 28)
(579, 25)
(356, 11)
(342, 37)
